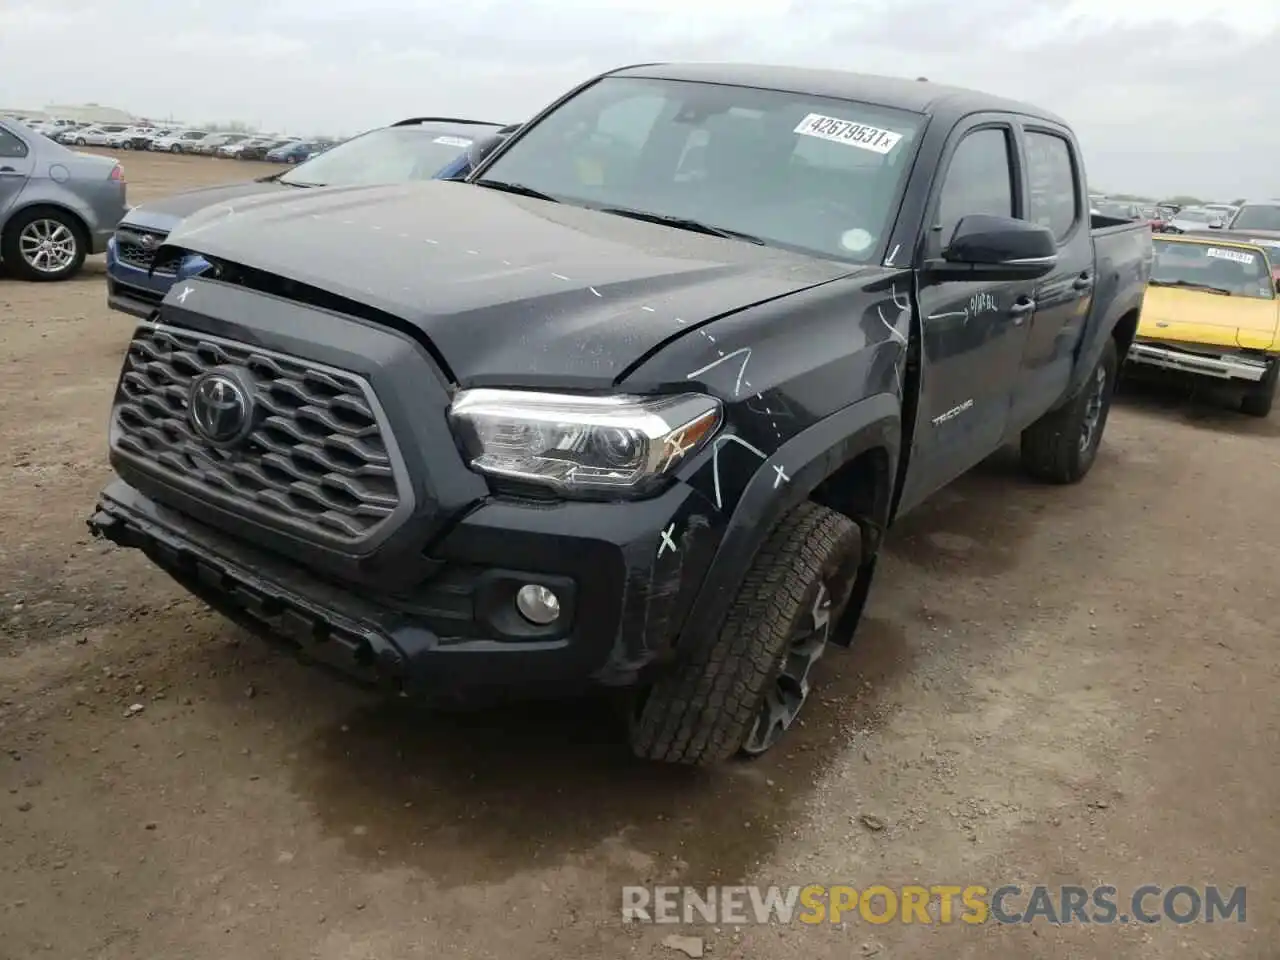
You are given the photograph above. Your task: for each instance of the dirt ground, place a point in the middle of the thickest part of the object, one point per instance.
(1053, 686)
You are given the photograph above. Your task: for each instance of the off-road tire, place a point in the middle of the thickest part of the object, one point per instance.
(1052, 446)
(702, 713)
(1257, 400)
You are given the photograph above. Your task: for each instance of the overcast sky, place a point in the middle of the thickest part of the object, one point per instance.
(1167, 97)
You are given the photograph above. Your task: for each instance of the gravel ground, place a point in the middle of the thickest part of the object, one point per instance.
(1052, 686)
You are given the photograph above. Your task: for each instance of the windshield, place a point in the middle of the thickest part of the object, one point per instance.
(389, 155)
(1233, 270)
(796, 171)
(1258, 216)
(1197, 215)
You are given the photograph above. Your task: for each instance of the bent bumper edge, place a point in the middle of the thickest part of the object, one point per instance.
(1223, 367)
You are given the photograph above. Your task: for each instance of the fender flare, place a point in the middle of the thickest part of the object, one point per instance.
(807, 459)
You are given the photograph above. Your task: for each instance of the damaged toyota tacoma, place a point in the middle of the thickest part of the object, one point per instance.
(634, 405)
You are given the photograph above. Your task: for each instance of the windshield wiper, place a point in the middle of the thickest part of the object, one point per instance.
(683, 223)
(1194, 286)
(517, 188)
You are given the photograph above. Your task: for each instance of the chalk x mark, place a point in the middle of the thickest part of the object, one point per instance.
(679, 449)
(781, 477)
(183, 294)
(667, 542)
(744, 352)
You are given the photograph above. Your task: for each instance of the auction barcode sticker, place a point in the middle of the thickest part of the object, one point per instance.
(1239, 256)
(860, 135)
(453, 141)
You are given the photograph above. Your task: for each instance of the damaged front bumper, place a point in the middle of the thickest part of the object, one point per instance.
(624, 590)
(1224, 366)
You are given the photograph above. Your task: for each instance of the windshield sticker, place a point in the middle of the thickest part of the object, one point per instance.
(856, 240)
(453, 141)
(1239, 256)
(859, 135)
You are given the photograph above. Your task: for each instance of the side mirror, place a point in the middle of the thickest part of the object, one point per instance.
(479, 151)
(474, 155)
(984, 247)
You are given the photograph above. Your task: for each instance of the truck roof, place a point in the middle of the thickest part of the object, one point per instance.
(947, 103)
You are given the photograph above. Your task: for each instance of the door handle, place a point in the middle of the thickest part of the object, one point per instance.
(1020, 308)
(7, 170)
(1082, 282)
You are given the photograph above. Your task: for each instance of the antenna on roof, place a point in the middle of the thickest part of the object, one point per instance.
(922, 79)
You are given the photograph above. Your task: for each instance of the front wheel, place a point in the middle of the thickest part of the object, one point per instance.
(80, 141)
(744, 690)
(1257, 402)
(175, 149)
(43, 245)
(1061, 446)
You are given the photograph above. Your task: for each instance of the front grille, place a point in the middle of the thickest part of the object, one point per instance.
(138, 248)
(315, 458)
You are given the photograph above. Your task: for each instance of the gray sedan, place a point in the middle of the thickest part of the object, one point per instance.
(56, 206)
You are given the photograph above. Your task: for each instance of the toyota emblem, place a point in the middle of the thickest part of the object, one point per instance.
(220, 407)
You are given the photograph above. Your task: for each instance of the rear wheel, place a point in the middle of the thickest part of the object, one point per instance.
(1061, 446)
(1258, 400)
(43, 244)
(176, 148)
(743, 692)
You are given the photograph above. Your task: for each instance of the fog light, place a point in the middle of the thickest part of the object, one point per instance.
(537, 604)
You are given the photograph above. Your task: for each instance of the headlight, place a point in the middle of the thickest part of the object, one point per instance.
(580, 445)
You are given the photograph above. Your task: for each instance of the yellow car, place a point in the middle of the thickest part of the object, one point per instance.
(1211, 310)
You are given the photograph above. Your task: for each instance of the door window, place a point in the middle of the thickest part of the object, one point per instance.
(11, 147)
(1052, 201)
(978, 180)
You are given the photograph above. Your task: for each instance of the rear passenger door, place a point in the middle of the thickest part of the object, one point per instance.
(16, 162)
(1055, 200)
(973, 330)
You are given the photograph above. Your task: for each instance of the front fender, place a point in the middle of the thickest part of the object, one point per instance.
(785, 479)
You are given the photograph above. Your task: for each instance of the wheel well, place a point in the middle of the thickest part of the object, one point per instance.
(76, 221)
(1125, 330)
(860, 490)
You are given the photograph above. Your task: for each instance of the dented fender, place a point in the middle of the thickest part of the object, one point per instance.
(787, 478)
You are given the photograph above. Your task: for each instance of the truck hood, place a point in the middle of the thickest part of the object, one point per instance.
(508, 289)
(163, 215)
(1209, 319)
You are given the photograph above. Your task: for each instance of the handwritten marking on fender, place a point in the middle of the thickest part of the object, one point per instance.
(744, 352)
(715, 461)
(781, 477)
(183, 294)
(667, 541)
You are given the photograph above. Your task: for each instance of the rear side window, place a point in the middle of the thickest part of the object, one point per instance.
(1051, 199)
(10, 146)
(979, 180)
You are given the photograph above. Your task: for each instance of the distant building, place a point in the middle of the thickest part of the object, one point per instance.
(23, 114)
(88, 113)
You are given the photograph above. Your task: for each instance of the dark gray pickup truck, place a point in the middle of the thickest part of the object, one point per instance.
(635, 405)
